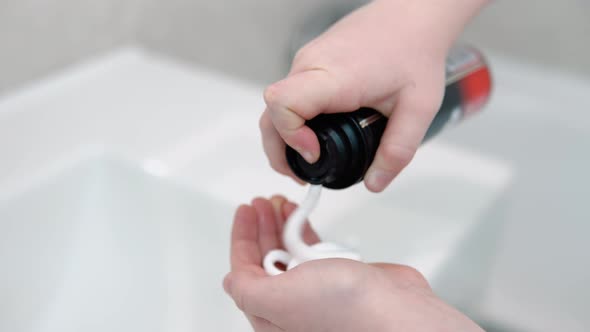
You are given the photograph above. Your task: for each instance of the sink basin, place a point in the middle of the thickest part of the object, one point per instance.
(119, 177)
(103, 246)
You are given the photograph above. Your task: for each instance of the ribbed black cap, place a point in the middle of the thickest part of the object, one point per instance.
(347, 149)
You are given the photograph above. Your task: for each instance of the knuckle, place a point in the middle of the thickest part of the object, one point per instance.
(302, 55)
(272, 94)
(346, 90)
(395, 154)
(265, 122)
(410, 273)
(412, 277)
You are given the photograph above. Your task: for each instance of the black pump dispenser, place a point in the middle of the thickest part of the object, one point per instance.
(349, 141)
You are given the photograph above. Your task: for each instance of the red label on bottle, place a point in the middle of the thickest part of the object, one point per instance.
(475, 90)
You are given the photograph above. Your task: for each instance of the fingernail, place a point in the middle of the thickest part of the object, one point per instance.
(378, 179)
(277, 204)
(308, 156)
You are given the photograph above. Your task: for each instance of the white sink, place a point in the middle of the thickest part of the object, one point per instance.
(105, 247)
(119, 177)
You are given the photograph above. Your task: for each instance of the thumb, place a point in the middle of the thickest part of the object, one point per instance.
(403, 135)
(270, 298)
(302, 96)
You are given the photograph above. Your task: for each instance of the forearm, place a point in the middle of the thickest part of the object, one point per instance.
(441, 20)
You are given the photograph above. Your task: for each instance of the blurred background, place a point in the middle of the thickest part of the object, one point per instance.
(128, 134)
(250, 38)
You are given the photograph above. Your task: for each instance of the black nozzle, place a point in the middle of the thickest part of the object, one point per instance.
(348, 142)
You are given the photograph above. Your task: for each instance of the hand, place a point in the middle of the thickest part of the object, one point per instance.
(326, 295)
(388, 55)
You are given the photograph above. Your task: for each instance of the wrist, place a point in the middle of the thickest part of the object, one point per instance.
(441, 21)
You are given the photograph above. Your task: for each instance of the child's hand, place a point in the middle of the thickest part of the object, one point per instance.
(388, 55)
(326, 295)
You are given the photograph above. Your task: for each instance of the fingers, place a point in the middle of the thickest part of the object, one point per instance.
(245, 251)
(273, 145)
(268, 235)
(300, 97)
(403, 135)
(247, 283)
(283, 210)
(255, 232)
(277, 202)
(245, 257)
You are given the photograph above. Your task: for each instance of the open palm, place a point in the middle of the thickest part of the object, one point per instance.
(330, 294)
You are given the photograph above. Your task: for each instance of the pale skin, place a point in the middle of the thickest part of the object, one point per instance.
(388, 55)
(327, 295)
